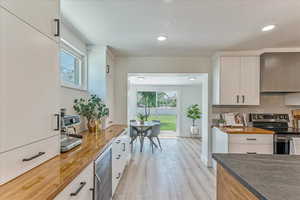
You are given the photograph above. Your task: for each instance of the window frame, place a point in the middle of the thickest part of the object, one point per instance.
(82, 57)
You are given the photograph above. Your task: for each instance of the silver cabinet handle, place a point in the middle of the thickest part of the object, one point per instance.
(82, 184)
(57, 21)
(124, 147)
(119, 176)
(251, 153)
(118, 141)
(251, 139)
(118, 157)
(33, 157)
(237, 98)
(57, 122)
(243, 97)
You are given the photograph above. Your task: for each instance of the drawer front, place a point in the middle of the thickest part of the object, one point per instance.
(20, 160)
(251, 139)
(80, 187)
(250, 149)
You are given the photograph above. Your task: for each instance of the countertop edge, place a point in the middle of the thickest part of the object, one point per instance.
(238, 177)
(259, 131)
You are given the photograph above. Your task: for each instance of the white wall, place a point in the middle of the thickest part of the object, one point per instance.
(187, 95)
(125, 65)
(67, 95)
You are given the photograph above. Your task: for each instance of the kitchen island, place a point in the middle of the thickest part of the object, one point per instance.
(257, 177)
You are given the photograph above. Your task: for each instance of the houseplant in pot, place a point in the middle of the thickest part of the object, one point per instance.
(87, 109)
(101, 111)
(194, 113)
(141, 117)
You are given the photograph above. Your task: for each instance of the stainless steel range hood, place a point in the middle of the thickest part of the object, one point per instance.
(280, 72)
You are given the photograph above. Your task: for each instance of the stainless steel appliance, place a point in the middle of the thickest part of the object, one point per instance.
(103, 176)
(69, 136)
(279, 123)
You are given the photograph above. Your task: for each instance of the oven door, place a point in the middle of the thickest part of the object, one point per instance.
(281, 144)
(103, 176)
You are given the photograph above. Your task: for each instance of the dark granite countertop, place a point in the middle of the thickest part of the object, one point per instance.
(269, 177)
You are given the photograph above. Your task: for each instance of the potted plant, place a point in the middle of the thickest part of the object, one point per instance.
(141, 117)
(194, 113)
(92, 109)
(101, 111)
(221, 122)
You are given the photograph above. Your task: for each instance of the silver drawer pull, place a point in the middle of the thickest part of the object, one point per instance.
(118, 141)
(119, 156)
(251, 139)
(82, 184)
(119, 176)
(33, 157)
(251, 153)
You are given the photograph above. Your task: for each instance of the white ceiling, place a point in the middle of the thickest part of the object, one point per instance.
(165, 79)
(193, 27)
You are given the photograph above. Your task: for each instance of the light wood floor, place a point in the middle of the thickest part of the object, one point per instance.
(176, 173)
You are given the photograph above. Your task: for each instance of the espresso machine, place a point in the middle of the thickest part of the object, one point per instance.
(69, 137)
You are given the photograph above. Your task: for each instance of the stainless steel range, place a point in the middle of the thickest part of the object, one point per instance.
(279, 123)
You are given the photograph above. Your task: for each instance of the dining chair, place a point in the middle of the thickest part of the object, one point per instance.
(133, 134)
(154, 133)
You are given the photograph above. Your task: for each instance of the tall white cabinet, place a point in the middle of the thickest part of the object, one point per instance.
(43, 15)
(29, 87)
(236, 80)
(101, 77)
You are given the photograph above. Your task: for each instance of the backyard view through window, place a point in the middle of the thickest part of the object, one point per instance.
(159, 106)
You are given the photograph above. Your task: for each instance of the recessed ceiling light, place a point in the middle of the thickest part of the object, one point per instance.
(140, 78)
(162, 38)
(192, 78)
(268, 28)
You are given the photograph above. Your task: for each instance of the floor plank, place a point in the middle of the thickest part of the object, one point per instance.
(176, 173)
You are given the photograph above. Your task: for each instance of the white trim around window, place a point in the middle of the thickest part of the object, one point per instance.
(81, 63)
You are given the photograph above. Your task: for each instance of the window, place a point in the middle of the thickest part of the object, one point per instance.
(72, 67)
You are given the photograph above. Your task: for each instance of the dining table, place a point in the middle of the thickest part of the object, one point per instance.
(142, 131)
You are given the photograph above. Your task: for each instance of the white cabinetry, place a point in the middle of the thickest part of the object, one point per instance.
(40, 14)
(120, 158)
(81, 188)
(242, 143)
(29, 89)
(292, 99)
(101, 77)
(236, 80)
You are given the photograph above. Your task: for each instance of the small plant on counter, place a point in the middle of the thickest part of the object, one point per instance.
(92, 109)
(101, 110)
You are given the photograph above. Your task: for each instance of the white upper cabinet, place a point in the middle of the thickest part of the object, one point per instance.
(250, 79)
(236, 80)
(29, 89)
(41, 14)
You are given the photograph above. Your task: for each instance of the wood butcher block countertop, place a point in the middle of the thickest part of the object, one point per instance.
(245, 130)
(47, 180)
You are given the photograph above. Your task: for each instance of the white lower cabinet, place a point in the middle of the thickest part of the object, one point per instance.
(242, 143)
(120, 158)
(20, 160)
(81, 188)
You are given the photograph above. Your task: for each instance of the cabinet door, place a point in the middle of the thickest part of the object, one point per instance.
(38, 13)
(29, 88)
(230, 80)
(110, 88)
(250, 78)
